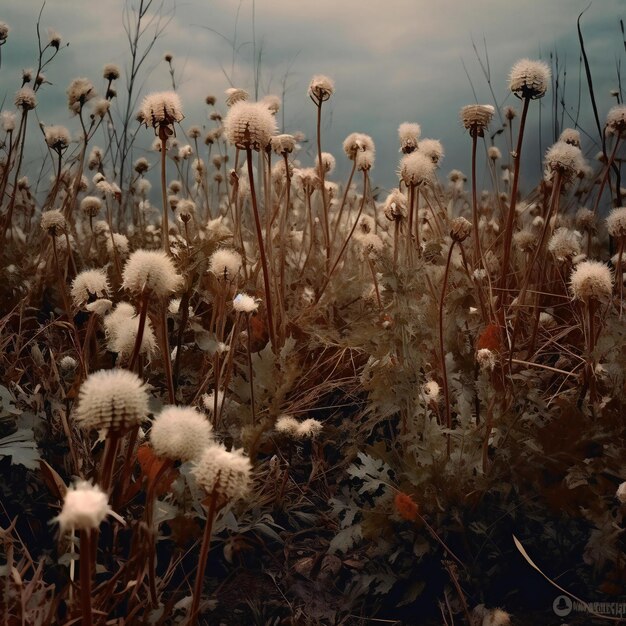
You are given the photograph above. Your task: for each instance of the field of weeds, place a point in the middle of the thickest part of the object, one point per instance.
(237, 390)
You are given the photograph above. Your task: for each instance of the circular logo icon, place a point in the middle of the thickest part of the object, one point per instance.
(562, 606)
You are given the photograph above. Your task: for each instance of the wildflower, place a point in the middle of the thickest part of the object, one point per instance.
(111, 72)
(493, 152)
(88, 285)
(431, 390)
(395, 206)
(620, 494)
(225, 263)
(486, 359)
(120, 242)
(283, 144)
(150, 270)
(417, 169)
(101, 107)
(80, 91)
(122, 335)
(193, 132)
(25, 99)
(406, 507)
(243, 303)
(54, 38)
(57, 138)
(585, 219)
(563, 158)
(365, 160)
(90, 205)
(616, 120)
(224, 473)
(180, 433)
(4, 32)
(307, 429)
(328, 162)
(616, 222)
(355, 143)
(249, 125)
(84, 507)
(371, 245)
(321, 88)
(53, 222)
(100, 307)
(564, 244)
(185, 152)
(460, 229)
(234, 95)
(7, 121)
(161, 110)
(570, 136)
(185, 210)
(433, 149)
(529, 79)
(409, 135)
(112, 400)
(591, 280)
(476, 118)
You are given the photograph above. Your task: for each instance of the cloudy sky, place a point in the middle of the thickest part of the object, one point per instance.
(392, 61)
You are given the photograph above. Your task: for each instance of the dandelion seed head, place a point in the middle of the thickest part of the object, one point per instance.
(4, 32)
(249, 125)
(208, 400)
(486, 359)
(112, 400)
(53, 222)
(591, 280)
(272, 103)
(243, 303)
(180, 433)
(161, 108)
(225, 473)
(321, 88)
(564, 244)
(616, 120)
(460, 229)
(570, 136)
(416, 169)
(355, 143)
(432, 390)
(25, 99)
(433, 149)
(620, 494)
(563, 158)
(185, 210)
(80, 91)
(225, 263)
(121, 245)
(585, 219)
(493, 152)
(395, 206)
(283, 144)
(616, 222)
(152, 271)
(476, 118)
(529, 79)
(88, 285)
(7, 121)
(57, 137)
(111, 72)
(85, 507)
(409, 134)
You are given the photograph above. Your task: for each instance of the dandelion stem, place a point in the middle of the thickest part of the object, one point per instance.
(85, 576)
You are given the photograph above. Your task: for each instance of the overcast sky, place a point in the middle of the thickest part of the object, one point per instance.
(392, 61)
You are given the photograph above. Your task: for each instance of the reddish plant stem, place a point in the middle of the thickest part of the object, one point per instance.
(85, 576)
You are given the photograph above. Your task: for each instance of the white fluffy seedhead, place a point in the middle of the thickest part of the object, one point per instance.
(243, 303)
(162, 108)
(616, 120)
(409, 135)
(249, 125)
(53, 222)
(88, 285)
(180, 433)
(529, 79)
(591, 280)
(433, 149)
(112, 401)
(476, 118)
(416, 169)
(616, 222)
(151, 271)
(225, 263)
(564, 158)
(321, 88)
(84, 507)
(224, 473)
